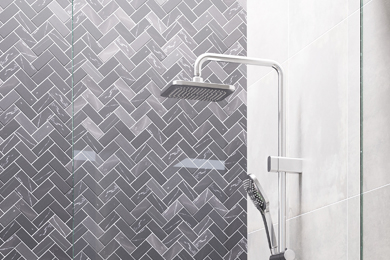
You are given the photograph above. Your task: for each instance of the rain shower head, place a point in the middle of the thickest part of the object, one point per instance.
(197, 91)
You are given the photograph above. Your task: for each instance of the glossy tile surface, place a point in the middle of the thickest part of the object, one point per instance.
(322, 234)
(154, 178)
(376, 90)
(354, 104)
(318, 110)
(258, 246)
(267, 35)
(375, 223)
(308, 20)
(354, 228)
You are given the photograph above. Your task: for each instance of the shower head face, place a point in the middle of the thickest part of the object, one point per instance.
(255, 192)
(201, 91)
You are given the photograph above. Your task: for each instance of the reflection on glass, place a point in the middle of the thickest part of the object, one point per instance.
(84, 155)
(202, 164)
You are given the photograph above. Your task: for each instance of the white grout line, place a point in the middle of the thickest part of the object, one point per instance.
(312, 211)
(370, 1)
(375, 189)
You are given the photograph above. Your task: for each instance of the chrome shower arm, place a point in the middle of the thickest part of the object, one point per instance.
(233, 59)
(281, 124)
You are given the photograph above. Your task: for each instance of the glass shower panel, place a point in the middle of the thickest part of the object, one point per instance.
(156, 178)
(375, 121)
(35, 129)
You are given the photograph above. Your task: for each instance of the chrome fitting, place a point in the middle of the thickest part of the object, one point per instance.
(284, 164)
(197, 79)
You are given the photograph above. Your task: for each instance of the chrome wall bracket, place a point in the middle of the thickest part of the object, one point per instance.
(284, 164)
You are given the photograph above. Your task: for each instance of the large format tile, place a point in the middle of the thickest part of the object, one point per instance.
(353, 5)
(376, 224)
(320, 235)
(354, 228)
(267, 35)
(354, 104)
(366, 2)
(258, 245)
(310, 235)
(317, 122)
(310, 19)
(376, 92)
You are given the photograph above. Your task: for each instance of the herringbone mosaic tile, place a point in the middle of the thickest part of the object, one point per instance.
(154, 178)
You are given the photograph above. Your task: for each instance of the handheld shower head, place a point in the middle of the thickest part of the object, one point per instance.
(197, 90)
(256, 193)
(259, 199)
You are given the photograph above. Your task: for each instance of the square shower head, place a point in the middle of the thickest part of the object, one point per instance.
(197, 91)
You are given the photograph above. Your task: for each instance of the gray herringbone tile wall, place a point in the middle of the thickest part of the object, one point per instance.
(154, 178)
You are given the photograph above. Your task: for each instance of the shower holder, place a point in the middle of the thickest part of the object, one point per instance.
(284, 164)
(286, 255)
(280, 164)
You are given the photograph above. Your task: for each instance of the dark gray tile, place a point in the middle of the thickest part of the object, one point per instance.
(156, 8)
(92, 57)
(172, 238)
(217, 29)
(8, 71)
(92, 29)
(157, 216)
(218, 233)
(140, 13)
(202, 7)
(108, 10)
(157, 51)
(233, 10)
(171, 31)
(140, 27)
(95, 5)
(122, 30)
(186, 11)
(172, 196)
(157, 37)
(125, 167)
(26, 8)
(8, 42)
(42, 17)
(126, 7)
(172, 224)
(172, 17)
(108, 80)
(232, 38)
(108, 66)
(141, 250)
(8, 56)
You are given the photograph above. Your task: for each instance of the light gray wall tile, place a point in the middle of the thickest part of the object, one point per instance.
(376, 89)
(308, 20)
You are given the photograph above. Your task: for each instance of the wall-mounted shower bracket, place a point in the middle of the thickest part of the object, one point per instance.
(281, 125)
(284, 164)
